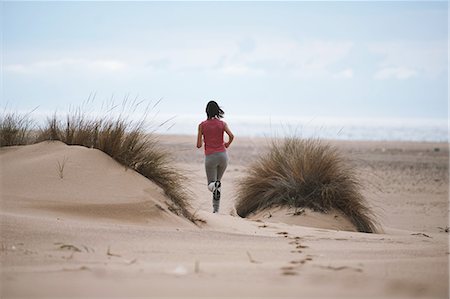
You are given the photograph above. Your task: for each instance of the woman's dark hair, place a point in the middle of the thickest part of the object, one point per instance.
(213, 110)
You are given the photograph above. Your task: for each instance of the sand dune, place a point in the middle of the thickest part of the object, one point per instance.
(55, 178)
(103, 231)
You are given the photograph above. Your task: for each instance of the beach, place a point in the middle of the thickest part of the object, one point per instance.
(75, 223)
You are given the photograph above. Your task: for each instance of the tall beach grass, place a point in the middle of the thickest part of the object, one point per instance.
(305, 173)
(15, 128)
(127, 141)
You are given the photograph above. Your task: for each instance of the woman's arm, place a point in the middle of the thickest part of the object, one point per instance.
(199, 136)
(230, 135)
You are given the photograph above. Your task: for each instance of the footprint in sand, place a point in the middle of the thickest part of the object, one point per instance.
(295, 264)
(302, 261)
(284, 234)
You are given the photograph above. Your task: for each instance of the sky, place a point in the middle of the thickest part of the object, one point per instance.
(273, 59)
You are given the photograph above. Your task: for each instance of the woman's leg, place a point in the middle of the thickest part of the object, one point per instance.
(222, 164)
(211, 168)
(215, 165)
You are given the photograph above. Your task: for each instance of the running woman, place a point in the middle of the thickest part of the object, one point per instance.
(211, 132)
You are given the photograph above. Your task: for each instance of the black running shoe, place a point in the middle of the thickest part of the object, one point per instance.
(216, 190)
(216, 196)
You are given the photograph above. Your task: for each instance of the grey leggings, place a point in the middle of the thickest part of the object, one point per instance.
(215, 165)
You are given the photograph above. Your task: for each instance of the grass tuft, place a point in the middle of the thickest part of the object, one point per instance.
(305, 173)
(15, 129)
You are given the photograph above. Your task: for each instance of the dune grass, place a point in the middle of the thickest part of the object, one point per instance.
(126, 141)
(15, 129)
(305, 173)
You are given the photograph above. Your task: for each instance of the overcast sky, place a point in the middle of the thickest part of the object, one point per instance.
(339, 59)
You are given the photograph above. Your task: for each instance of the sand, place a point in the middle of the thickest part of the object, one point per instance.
(74, 223)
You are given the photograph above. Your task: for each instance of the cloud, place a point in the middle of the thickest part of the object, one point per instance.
(222, 55)
(107, 65)
(304, 59)
(249, 56)
(344, 74)
(240, 70)
(400, 73)
(286, 56)
(245, 55)
(67, 64)
(247, 45)
(403, 60)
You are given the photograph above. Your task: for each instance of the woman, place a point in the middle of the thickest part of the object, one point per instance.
(211, 132)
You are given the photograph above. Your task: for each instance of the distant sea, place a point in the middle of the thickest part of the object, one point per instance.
(320, 127)
(382, 129)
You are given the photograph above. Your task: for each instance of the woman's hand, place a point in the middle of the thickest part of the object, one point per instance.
(230, 136)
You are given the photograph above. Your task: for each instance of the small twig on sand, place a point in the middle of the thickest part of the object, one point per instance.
(421, 234)
(88, 249)
(70, 247)
(339, 268)
(108, 252)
